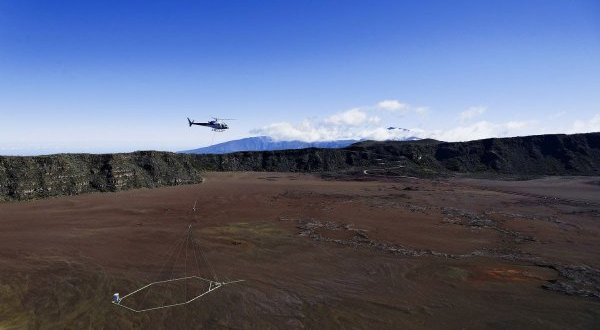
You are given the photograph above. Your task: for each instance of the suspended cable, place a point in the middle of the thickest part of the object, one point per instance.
(180, 248)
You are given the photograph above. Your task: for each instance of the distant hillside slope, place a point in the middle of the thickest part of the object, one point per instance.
(556, 154)
(541, 154)
(265, 143)
(553, 154)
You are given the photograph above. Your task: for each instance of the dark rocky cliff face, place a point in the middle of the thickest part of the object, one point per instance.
(557, 154)
(67, 174)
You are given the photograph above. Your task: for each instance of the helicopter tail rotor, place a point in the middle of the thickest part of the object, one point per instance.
(190, 122)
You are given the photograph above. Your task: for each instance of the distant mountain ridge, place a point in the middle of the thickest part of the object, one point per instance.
(266, 143)
(23, 178)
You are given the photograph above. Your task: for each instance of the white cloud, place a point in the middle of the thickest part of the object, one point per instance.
(581, 126)
(397, 107)
(305, 131)
(480, 130)
(356, 123)
(322, 132)
(392, 105)
(374, 120)
(363, 123)
(353, 117)
(485, 129)
(471, 113)
(516, 124)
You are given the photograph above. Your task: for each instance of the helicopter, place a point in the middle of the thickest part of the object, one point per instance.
(216, 124)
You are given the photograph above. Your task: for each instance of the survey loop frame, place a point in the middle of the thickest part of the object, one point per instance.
(212, 287)
(184, 249)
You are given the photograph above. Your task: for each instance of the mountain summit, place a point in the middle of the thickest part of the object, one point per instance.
(265, 143)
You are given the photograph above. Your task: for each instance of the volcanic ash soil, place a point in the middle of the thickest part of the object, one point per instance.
(387, 254)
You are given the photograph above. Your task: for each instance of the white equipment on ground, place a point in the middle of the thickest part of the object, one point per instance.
(182, 286)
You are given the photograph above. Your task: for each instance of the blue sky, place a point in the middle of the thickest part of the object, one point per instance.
(112, 76)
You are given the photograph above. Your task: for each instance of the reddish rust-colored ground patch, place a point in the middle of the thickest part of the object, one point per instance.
(512, 274)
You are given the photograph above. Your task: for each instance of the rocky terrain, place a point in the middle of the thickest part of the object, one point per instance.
(24, 178)
(557, 154)
(518, 157)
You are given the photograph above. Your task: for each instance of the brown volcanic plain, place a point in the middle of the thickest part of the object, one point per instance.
(381, 253)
